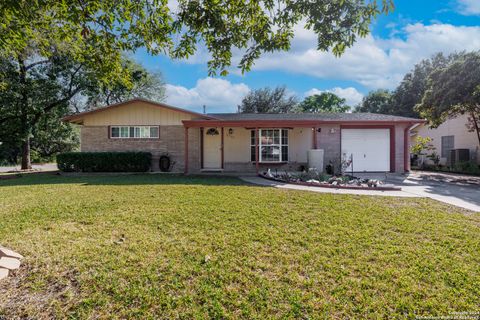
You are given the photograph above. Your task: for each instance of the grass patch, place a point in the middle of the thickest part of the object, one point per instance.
(154, 246)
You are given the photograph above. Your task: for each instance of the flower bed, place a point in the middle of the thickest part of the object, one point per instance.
(316, 179)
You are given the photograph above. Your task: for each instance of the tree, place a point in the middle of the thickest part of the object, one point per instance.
(412, 88)
(267, 100)
(454, 90)
(97, 31)
(144, 84)
(323, 102)
(378, 101)
(35, 95)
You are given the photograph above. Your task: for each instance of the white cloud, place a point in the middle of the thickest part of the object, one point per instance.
(218, 95)
(350, 94)
(373, 62)
(469, 7)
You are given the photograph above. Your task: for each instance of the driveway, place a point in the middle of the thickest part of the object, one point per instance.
(35, 167)
(459, 190)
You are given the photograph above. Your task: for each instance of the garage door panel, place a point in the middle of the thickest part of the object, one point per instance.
(370, 149)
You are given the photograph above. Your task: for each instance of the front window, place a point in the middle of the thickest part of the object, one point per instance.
(273, 145)
(143, 132)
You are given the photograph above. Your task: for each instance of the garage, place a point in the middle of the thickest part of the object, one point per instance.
(369, 149)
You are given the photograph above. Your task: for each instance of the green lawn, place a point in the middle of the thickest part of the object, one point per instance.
(217, 248)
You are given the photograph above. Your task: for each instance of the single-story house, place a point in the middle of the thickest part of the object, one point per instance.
(236, 142)
(452, 134)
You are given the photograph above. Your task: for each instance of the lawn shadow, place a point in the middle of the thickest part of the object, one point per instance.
(52, 178)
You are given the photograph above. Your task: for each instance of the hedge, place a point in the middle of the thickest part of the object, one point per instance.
(104, 161)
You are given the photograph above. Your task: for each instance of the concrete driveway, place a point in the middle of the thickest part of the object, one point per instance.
(459, 190)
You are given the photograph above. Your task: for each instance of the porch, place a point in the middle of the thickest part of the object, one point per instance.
(249, 147)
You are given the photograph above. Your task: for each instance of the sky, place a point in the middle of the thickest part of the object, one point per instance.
(415, 30)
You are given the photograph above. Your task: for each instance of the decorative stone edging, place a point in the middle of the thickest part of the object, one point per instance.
(331, 186)
(9, 260)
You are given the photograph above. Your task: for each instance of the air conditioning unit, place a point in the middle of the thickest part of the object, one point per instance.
(458, 155)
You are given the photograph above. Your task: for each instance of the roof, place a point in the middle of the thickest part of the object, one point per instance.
(311, 116)
(79, 116)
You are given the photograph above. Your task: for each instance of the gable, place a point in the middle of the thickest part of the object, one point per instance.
(135, 112)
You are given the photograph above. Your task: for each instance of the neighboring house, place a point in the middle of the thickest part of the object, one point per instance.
(452, 134)
(236, 142)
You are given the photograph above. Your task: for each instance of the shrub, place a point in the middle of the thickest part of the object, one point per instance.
(104, 161)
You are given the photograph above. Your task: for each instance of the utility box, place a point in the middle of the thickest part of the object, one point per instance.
(315, 159)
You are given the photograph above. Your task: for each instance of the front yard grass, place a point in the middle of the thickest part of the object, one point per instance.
(153, 246)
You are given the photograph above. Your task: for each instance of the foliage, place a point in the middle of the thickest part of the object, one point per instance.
(323, 102)
(104, 161)
(413, 86)
(409, 92)
(454, 90)
(142, 84)
(421, 145)
(469, 167)
(96, 32)
(378, 101)
(267, 100)
(274, 253)
(34, 95)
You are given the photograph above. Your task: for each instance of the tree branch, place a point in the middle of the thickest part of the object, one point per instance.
(30, 66)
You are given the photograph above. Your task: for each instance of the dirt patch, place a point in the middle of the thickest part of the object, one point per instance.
(22, 298)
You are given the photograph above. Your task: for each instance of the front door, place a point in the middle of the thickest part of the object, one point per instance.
(212, 144)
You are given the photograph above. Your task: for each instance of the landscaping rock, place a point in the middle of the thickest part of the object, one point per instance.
(9, 263)
(3, 273)
(9, 253)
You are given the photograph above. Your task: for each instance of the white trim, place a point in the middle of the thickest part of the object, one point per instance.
(279, 145)
(120, 127)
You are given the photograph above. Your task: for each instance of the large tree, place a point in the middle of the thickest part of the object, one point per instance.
(454, 90)
(267, 100)
(51, 88)
(378, 101)
(410, 91)
(142, 84)
(104, 28)
(323, 102)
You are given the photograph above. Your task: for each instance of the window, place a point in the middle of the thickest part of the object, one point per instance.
(143, 132)
(447, 145)
(273, 145)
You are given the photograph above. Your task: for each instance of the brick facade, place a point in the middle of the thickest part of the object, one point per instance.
(171, 140)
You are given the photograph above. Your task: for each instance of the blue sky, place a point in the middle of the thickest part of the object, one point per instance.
(415, 30)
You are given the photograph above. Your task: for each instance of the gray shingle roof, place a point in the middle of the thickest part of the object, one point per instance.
(310, 116)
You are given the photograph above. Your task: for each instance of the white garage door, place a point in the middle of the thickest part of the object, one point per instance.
(370, 149)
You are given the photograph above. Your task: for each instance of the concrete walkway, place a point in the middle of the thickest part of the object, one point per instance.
(450, 189)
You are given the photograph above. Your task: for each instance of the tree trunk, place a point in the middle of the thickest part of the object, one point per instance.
(26, 164)
(476, 125)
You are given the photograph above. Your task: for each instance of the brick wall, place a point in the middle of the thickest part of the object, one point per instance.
(171, 140)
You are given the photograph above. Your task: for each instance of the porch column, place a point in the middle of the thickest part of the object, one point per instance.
(201, 148)
(315, 143)
(257, 150)
(406, 149)
(186, 151)
(221, 147)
